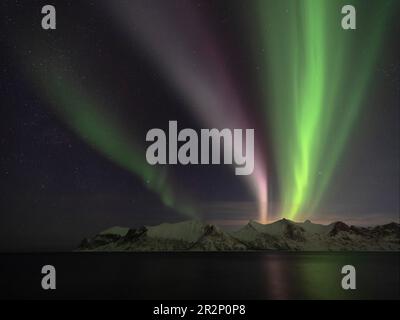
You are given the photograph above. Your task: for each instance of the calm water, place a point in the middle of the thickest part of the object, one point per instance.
(248, 275)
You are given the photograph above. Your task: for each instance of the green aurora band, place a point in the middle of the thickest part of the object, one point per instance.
(93, 122)
(317, 75)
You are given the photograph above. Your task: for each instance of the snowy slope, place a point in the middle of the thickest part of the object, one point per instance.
(189, 231)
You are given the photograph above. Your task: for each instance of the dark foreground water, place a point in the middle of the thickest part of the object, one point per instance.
(249, 275)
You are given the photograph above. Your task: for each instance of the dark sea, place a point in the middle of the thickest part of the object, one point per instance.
(195, 275)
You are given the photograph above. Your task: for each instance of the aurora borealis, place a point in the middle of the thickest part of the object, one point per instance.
(100, 128)
(322, 100)
(202, 79)
(311, 70)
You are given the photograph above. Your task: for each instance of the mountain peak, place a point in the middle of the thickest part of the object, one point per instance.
(339, 226)
(116, 230)
(283, 221)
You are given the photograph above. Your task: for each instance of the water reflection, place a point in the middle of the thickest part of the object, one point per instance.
(318, 275)
(277, 277)
(219, 275)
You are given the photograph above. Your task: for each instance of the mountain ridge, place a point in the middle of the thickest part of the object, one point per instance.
(281, 235)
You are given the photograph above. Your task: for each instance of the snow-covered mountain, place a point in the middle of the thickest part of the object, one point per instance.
(280, 235)
(187, 235)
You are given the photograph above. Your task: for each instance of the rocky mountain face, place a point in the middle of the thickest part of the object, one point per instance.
(280, 235)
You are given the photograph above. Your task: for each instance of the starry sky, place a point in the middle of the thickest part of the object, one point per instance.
(78, 101)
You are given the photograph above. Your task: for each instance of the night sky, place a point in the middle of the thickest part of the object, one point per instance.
(77, 102)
